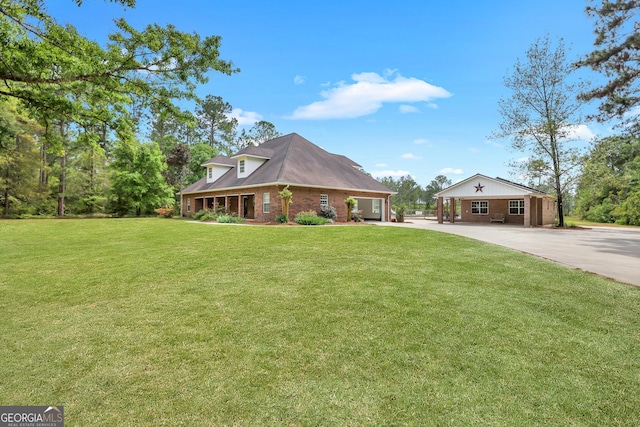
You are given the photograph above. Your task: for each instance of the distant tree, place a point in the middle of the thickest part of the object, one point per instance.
(200, 153)
(87, 180)
(178, 161)
(390, 182)
(137, 182)
(19, 159)
(217, 129)
(409, 192)
(617, 56)
(540, 114)
(260, 132)
(609, 188)
(436, 185)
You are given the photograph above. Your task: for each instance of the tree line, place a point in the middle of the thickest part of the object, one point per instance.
(88, 129)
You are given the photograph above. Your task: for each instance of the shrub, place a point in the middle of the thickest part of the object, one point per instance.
(282, 219)
(357, 216)
(328, 212)
(309, 218)
(286, 196)
(200, 214)
(400, 211)
(350, 202)
(165, 211)
(230, 219)
(209, 216)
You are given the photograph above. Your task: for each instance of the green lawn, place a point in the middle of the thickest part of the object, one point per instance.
(155, 322)
(581, 222)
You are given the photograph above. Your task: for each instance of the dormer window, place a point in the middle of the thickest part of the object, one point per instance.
(241, 166)
(210, 170)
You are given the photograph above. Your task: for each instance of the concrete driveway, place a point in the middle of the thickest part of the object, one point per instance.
(612, 252)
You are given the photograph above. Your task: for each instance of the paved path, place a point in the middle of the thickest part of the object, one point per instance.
(612, 252)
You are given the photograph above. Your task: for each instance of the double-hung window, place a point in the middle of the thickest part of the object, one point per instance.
(210, 172)
(266, 203)
(324, 200)
(516, 207)
(480, 207)
(375, 206)
(241, 164)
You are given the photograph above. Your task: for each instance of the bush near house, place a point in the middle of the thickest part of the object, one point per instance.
(230, 219)
(329, 212)
(282, 219)
(309, 218)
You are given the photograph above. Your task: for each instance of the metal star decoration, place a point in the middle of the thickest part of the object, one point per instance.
(479, 187)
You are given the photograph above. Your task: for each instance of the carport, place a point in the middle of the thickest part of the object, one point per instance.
(483, 199)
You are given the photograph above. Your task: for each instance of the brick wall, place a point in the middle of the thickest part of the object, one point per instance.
(544, 211)
(495, 206)
(304, 199)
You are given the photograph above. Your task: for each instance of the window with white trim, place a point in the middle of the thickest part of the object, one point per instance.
(324, 200)
(241, 166)
(375, 206)
(516, 207)
(266, 203)
(189, 204)
(210, 170)
(480, 207)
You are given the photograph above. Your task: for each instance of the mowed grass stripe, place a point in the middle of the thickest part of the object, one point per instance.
(167, 322)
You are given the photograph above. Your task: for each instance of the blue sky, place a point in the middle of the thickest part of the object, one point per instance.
(410, 88)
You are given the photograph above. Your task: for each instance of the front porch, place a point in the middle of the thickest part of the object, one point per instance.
(241, 205)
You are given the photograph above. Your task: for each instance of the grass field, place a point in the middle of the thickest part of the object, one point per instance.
(155, 322)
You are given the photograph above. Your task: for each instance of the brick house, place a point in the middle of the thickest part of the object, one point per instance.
(484, 199)
(247, 183)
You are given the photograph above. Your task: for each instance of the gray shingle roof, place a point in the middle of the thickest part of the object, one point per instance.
(296, 161)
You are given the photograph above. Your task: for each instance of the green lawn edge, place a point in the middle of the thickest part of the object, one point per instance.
(166, 322)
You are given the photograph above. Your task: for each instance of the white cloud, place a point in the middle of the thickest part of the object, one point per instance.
(410, 156)
(408, 109)
(580, 132)
(452, 171)
(398, 173)
(381, 165)
(298, 80)
(421, 141)
(245, 117)
(522, 160)
(367, 95)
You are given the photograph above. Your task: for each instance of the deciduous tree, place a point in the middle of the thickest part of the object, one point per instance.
(59, 73)
(137, 182)
(541, 113)
(609, 188)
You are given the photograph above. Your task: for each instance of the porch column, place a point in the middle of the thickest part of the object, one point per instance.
(527, 211)
(439, 210)
(452, 210)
